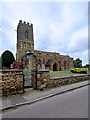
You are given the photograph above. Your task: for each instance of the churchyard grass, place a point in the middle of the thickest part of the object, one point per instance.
(62, 73)
(57, 73)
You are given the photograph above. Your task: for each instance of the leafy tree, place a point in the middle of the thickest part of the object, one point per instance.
(87, 66)
(77, 63)
(7, 58)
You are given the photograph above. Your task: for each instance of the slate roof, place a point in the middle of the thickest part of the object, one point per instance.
(49, 61)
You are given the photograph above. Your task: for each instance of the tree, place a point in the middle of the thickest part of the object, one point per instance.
(7, 58)
(77, 63)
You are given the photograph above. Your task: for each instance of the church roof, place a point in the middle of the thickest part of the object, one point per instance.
(48, 62)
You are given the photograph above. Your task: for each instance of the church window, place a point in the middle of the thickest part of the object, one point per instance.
(26, 35)
(39, 62)
(43, 60)
(64, 64)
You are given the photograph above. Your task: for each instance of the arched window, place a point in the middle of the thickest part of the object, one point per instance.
(39, 62)
(43, 60)
(26, 34)
(64, 65)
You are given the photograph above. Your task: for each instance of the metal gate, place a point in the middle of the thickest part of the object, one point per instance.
(27, 81)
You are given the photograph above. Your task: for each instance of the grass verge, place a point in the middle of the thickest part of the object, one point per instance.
(62, 73)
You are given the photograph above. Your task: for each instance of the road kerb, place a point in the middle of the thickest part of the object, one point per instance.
(42, 98)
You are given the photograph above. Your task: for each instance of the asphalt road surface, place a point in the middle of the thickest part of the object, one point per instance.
(72, 104)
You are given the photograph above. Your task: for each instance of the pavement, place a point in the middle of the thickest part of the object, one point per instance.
(31, 96)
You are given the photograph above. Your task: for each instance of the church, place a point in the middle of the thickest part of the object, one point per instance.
(45, 60)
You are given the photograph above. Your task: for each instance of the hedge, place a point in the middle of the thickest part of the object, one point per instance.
(79, 70)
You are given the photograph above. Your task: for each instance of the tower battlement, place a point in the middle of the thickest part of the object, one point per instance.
(45, 60)
(23, 23)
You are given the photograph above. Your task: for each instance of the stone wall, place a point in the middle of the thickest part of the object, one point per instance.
(57, 81)
(63, 62)
(42, 75)
(44, 81)
(11, 82)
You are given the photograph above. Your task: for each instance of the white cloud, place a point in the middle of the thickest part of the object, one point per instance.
(82, 55)
(57, 27)
(79, 40)
(45, 1)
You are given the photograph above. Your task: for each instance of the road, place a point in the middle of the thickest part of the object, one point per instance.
(72, 104)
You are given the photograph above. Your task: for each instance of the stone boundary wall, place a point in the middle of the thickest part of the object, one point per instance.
(67, 80)
(11, 82)
(44, 81)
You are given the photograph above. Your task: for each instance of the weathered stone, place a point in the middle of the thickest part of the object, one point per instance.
(12, 82)
(45, 82)
(46, 60)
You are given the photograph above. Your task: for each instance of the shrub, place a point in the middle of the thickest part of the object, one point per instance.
(7, 59)
(79, 70)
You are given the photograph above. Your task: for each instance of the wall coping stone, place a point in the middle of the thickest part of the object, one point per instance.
(68, 76)
(11, 81)
(41, 70)
(11, 70)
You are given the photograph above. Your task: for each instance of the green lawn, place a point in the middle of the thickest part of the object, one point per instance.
(62, 73)
(57, 73)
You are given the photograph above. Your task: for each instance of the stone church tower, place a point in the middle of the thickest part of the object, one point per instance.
(25, 40)
(43, 59)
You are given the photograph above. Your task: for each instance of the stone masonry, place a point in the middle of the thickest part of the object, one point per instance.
(11, 82)
(44, 81)
(45, 60)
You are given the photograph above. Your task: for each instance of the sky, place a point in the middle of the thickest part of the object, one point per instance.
(58, 26)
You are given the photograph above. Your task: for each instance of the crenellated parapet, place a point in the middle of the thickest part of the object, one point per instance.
(23, 23)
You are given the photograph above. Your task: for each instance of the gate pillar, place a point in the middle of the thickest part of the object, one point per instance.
(41, 76)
